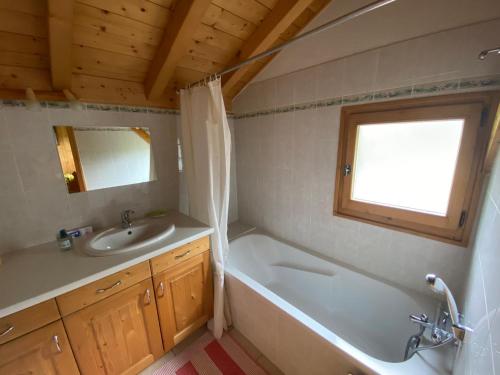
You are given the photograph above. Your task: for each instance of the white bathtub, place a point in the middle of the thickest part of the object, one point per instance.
(312, 316)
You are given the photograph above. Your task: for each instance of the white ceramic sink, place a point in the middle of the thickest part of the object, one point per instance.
(119, 240)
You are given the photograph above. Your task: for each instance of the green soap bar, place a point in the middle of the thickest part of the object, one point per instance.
(156, 213)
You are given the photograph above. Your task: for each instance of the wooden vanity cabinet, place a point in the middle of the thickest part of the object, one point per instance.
(184, 297)
(117, 335)
(43, 351)
(119, 324)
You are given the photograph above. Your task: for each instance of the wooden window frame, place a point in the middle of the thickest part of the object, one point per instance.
(478, 109)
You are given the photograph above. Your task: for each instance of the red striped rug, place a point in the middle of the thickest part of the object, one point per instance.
(208, 356)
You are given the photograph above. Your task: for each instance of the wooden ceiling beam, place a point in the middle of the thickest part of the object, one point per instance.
(60, 19)
(177, 40)
(113, 91)
(42, 95)
(143, 134)
(281, 17)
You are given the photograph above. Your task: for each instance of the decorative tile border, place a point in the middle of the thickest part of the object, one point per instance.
(393, 93)
(357, 98)
(102, 107)
(99, 107)
(477, 83)
(14, 103)
(431, 88)
(480, 83)
(93, 107)
(54, 105)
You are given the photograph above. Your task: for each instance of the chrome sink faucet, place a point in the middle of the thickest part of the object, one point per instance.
(448, 327)
(126, 220)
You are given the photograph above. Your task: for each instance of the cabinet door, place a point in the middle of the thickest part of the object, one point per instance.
(45, 351)
(118, 335)
(184, 297)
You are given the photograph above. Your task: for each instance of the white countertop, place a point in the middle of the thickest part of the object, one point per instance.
(42, 272)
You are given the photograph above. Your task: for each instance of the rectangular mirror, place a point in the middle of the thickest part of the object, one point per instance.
(101, 157)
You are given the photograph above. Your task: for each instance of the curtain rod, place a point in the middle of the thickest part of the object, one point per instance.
(335, 22)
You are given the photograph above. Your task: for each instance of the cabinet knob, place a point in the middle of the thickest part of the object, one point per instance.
(161, 289)
(55, 340)
(147, 297)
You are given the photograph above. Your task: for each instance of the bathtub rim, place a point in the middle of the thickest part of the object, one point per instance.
(364, 362)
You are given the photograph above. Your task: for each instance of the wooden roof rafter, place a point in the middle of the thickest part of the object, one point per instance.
(176, 41)
(60, 21)
(136, 52)
(268, 33)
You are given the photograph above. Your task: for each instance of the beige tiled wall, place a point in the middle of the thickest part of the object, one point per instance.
(34, 202)
(437, 57)
(481, 352)
(286, 170)
(286, 161)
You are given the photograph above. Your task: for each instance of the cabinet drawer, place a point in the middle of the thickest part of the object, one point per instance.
(28, 320)
(103, 288)
(44, 351)
(189, 250)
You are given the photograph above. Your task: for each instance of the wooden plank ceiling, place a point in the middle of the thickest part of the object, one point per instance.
(138, 52)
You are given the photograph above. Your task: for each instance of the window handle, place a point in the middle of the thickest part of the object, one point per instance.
(347, 169)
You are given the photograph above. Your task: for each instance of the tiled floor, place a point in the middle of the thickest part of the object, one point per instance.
(247, 346)
(254, 353)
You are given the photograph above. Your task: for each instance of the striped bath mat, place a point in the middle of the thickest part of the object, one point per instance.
(208, 356)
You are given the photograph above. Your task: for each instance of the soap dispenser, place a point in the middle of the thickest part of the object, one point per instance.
(64, 240)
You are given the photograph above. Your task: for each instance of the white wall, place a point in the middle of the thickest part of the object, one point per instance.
(398, 21)
(113, 157)
(286, 158)
(34, 201)
(481, 353)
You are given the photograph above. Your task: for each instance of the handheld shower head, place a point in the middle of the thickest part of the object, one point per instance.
(439, 286)
(430, 278)
(483, 54)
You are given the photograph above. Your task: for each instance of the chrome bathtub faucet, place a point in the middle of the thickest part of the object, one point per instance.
(126, 220)
(447, 329)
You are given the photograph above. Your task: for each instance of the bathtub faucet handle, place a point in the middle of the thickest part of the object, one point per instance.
(421, 319)
(439, 286)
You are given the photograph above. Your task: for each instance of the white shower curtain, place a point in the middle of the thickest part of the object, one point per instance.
(206, 142)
